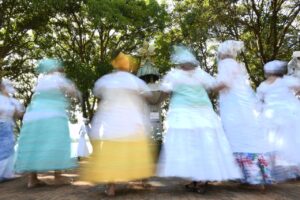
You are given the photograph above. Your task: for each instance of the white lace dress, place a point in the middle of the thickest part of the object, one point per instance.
(195, 146)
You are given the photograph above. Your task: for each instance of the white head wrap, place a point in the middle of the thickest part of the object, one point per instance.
(231, 48)
(294, 64)
(8, 86)
(296, 54)
(182, 54)
(275, 66)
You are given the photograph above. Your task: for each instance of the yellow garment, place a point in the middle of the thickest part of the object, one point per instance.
(119, 161)
(125, 62)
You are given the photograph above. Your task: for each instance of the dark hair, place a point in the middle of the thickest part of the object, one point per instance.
(115, 53)
(279, 73)
(150, 78)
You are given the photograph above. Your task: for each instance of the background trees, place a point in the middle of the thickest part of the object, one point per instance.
(85, 33)
(269, 28)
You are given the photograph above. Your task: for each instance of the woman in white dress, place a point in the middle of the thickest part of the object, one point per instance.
(120, 129)
(10, 109)
(82, 150)
(281, 117)
(239, 115)
(195, 146)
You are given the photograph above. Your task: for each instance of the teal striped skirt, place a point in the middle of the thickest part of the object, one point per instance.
(44, 145)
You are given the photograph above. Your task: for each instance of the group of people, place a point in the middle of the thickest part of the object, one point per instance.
(254, 140)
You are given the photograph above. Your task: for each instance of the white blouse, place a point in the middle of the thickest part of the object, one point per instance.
(8, 107)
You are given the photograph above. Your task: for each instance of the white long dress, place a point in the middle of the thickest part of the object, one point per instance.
(238, 110)
(195, 145)
(8, 107)
(82, 149)
(120, 131)
(121, 99)
(281, 117)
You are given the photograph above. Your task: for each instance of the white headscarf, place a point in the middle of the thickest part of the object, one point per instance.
(231, 48)
(296, 54)
(275, 66)
(182, 54)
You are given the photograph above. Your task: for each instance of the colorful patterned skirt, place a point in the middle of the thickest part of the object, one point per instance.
(256, 167)
(44, 145)
(119, 161)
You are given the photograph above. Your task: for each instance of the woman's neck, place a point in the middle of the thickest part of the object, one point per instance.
(272, 79)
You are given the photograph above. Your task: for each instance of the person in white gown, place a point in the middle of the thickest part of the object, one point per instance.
(239, 115)
(281, 117)
(195, 146)
(120, 132)
(82, 150)
(10, 109)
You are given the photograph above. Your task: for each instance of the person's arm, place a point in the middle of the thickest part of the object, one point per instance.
(220, 87)
(70, 88)
(293, 83)
(157, 97)
(19, 109)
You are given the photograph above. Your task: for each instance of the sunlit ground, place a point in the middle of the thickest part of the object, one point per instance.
(157, 188)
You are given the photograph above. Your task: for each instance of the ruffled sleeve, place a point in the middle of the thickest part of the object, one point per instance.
(98, 87)
(167, 84)
(207, 80)
(260, 91)
(228, 69)
(292, 82)
(143, 87)
(68, 87)
(260, 96)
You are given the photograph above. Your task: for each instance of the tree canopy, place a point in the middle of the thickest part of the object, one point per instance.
(85, 33)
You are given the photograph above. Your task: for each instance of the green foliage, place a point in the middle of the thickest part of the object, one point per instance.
(82, 33)
(85, 33)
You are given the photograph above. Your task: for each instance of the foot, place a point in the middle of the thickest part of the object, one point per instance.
(35, 184)
(191, 186)
(62, 180)
(261, 188)
(110, 190)
(201, 188)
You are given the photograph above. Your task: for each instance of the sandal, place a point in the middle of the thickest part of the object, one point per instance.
(110, 192)
(191, 186)
(36, 184)
(201, 189)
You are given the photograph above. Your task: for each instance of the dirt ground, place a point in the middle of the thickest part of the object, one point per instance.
(161, 189)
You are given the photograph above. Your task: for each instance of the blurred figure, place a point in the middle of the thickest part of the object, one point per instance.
(195, 146)
(294, 65)
(82, 150)
(120, 128)
(281, 117)
(44, 143)
(10, 109)
(150, 74)
(239, 115)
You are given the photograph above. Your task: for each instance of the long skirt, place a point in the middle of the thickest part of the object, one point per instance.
(44, 145)
(257, 168)
(119, 161)
(202, 154)
(6, 150)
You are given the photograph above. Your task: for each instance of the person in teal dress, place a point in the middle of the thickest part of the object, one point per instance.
(44, 143)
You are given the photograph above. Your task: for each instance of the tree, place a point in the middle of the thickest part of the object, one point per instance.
(268, 28)
(20, 22)
(86, 38)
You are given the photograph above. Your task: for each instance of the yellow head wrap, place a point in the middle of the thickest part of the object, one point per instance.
(125, 62)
